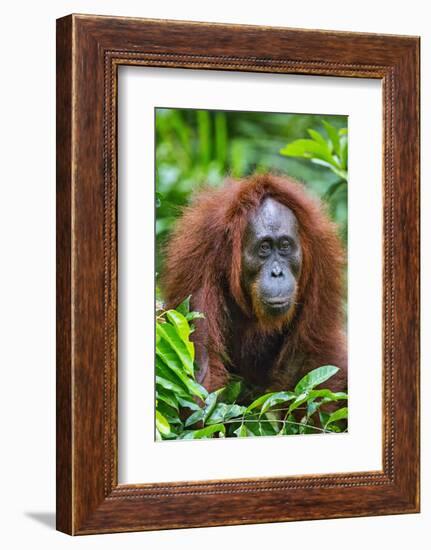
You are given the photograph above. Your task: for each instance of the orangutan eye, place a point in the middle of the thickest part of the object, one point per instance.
(285, 245)
(264, 248)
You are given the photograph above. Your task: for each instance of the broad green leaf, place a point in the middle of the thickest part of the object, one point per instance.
(165, 356)
(184, 307)
(175, 373)
(171, 345)
(333, 136)
(277, 398)
(310, 395)
(315, 377)
(327, 394)
(230, 393)
(258, 402)
(197, 416)
(210, 403)
(188, 403)
(308, 148)
(242, 431)
(334, 167)
(333, 428)
(162, 424)
(183, 329)
(339, 414)
(275, 420)
(316, 136)
(168, 398)
(302, 398)
(223, 412)
(323, 416)
(205, 412)
(204, 433)
(165, 372)
(168, 385)
(266, 428)
(169, 413)
(312, 407)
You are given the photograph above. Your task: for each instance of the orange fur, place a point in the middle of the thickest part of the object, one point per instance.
(203, 259)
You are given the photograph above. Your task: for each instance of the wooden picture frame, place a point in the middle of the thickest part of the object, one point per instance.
(89, 51)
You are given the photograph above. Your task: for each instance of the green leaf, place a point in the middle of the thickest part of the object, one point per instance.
(265, 428)
(315, 377)
(334, 167)
(328, 395)
(162, 424)
(310, 395)
(312, 407)
(317, 137)
(168, 398)
(308, 148)
(302, 398)
(169, 385)
(197, 416)
(333, 136)
(180, 376)
(230, 393)
(183, 329)
(242, 431)
(165, 372)
(210, 403)
(184, 307)
(275, 420)
(223, 412)
(204, 433)
(277, 398)
(339, 414)
(171, 348)
(203, 414)
(188, 404)
(259, 401)
(333, 428)
(168, 412)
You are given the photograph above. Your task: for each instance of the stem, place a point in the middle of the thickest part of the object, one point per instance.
(160, 315)
(234, 421)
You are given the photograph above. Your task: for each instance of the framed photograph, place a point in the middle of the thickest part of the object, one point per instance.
(237, 274)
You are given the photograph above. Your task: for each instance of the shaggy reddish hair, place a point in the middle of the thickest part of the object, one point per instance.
(203, 259)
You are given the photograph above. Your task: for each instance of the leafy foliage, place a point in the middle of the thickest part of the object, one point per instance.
(185, 410)
(330, 152)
